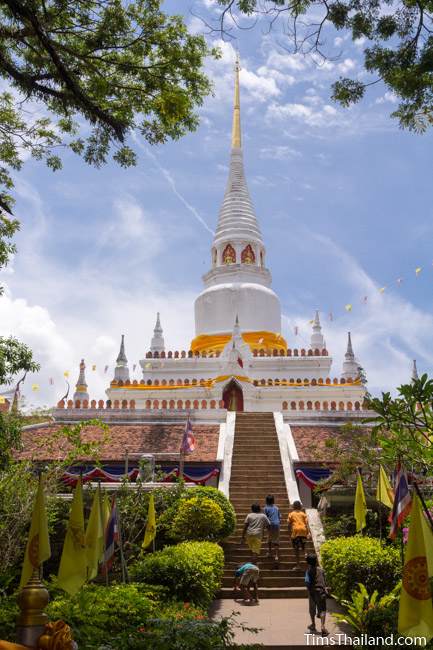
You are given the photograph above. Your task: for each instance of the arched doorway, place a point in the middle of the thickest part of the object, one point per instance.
(233, 397)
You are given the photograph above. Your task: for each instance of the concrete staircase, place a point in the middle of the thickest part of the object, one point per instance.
(257, 471)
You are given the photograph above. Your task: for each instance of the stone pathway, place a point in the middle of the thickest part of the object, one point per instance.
(283, 621)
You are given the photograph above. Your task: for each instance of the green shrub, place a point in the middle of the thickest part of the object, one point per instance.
(196, 634)
(98, 613)
(8, 617)
(225, 505)
(165, 521)
(197, 519)
(191, 571)
(344, 524)
(348, 561)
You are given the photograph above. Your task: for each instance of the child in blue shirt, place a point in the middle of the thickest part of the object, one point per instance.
(247, 576)
(273, 514)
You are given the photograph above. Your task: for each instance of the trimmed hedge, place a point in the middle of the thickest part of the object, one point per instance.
(197, 519)
(350, 560)
(165, 521)
(225, 505)
(192, 571)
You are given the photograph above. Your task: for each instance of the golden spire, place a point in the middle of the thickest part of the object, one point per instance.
(236, 129)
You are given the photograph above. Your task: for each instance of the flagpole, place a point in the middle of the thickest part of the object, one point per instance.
(101, 516)
(181, 464)
(380, 505)
(125, 576)
(424, 505)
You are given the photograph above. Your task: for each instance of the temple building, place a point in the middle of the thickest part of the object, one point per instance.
(237, 361)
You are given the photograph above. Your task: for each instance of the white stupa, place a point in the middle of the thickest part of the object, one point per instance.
(238, 359)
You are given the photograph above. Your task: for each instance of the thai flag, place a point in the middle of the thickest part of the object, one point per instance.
(111, 537)
(188, 440)
(402, 501)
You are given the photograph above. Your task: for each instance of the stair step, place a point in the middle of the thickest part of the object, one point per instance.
(269, 592)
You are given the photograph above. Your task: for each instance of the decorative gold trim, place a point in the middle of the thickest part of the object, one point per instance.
(263, 340)
(210, 383)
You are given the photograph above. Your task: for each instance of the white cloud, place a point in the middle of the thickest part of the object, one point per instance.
(259, 87)
(387, 332)
(388, 98)
(279, 152)
(346, 66)
(316, 118)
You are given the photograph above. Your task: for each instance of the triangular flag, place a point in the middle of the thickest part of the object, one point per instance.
(66, 373)
(418, 270)
(415, 616)
(150, 532)
(360, 510)
(73, 564)
(95, 536)
(348, 307)
(38, 545)
(35, 387)
(384, 491)
(382, 289)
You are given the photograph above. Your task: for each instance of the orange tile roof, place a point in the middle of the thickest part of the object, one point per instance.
(44, 443)
(311, 444)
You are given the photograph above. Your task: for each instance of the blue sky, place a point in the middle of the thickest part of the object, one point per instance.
(343, 196)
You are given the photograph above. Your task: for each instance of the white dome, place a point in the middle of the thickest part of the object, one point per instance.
(257, 307)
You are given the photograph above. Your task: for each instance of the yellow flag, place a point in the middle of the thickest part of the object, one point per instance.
(360, 506)
(73, 564)
(415, 616)
(418, 270)
(106, 511)
(384, 491)
(150, 532)
(38, 546)
(95, 536)
(348, 307)
(66, 373)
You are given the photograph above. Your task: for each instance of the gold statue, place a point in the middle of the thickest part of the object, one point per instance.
(57, 636)
(247, 255)
(229, 255)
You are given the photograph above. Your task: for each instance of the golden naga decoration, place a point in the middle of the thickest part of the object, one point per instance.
(57, 636)
(247, 255)
(229, 255)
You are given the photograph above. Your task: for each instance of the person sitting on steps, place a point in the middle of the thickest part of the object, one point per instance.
(273, 514)
(299, 530)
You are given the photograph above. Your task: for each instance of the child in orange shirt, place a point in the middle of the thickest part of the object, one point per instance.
(299, 529)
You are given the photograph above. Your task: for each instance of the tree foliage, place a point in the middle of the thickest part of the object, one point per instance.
(400, 430)
(86, 74)
(15, 357)
(398, 44)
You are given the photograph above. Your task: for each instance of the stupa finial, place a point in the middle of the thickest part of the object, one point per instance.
(236, 128)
